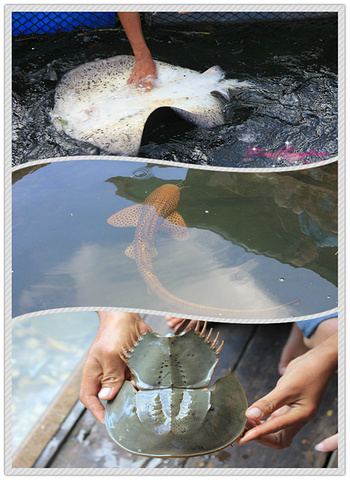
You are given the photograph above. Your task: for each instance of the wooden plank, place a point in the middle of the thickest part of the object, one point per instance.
(333, 460)
(89, 446)
(55, 443)
(49, 424)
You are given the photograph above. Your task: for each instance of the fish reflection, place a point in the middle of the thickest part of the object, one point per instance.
(158, 212)
(247, 231)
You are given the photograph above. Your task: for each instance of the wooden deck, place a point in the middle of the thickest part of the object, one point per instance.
(252, 352)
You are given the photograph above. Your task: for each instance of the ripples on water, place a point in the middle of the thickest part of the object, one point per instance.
(45, 350)
(246, 232)
(292, 65)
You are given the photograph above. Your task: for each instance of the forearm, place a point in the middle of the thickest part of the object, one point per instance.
(328, 350)
(325, 330)
(132, 26)
(107, 318)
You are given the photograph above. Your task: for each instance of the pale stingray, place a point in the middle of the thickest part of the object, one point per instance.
(94, 104)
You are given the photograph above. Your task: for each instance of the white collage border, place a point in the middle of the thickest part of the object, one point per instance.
(8, 225)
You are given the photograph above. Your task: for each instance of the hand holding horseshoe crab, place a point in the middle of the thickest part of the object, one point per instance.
(168, 410)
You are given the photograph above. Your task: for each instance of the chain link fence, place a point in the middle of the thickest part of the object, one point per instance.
(29, 23)
(195, 18)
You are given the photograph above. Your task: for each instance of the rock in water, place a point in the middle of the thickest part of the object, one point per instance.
(94, 104)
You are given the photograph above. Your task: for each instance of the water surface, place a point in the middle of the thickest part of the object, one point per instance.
(45, 351)
(256, 240)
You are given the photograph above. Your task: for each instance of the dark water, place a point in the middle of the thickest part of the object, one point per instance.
(293, 66)
(256, 240)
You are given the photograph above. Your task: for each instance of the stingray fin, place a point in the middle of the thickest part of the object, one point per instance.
(128, 217)
(211, 117)
(119, 138)
(175, 226)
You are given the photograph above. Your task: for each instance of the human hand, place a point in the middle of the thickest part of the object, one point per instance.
(328, 444)
(175, 322)
(278, 440)
(144, 72)
(295, 399)
(104, 371)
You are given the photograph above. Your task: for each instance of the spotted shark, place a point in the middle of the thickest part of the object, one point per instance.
(158, 213)
(93, 102)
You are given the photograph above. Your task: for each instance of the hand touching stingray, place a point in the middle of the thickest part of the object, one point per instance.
(104, 371)
(144, 72)
(95, 104)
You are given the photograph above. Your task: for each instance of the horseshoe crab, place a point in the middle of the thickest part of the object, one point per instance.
(172, 412)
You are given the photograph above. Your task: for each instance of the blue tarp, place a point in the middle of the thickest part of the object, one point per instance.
(24, 23)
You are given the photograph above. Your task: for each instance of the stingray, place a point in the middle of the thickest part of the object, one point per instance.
(94, 104)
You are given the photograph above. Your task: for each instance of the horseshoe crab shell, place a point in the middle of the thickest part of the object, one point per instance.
(173, 413)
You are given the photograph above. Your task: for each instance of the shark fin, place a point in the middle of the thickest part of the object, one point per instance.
(175, 226)
(128, 217)
(130, 251)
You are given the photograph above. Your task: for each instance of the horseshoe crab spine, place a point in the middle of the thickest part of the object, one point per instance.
(127, 351)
